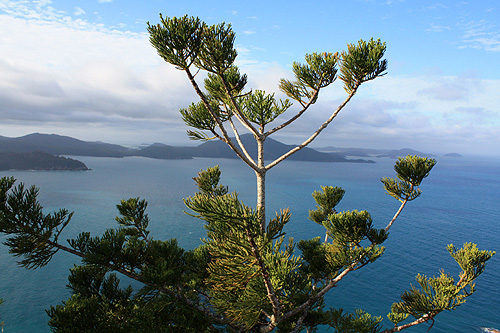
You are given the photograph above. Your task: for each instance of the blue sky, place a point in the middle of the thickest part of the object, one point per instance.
(86, 69)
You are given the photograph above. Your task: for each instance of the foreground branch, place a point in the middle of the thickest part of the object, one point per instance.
(179, 296)
(225, 136)
(315, 134)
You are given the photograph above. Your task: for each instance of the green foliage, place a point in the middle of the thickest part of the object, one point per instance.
(199, 117)
(411, 170)
(349, 230)
(208, 182)
(217, 53)
(319, 72)
(98, 304)
(187, 41)
(153, 261)
(397, 317)
(133, 217)
(177, 40)
(471, 260)
(362, 62)
(437, 294)
(315, 263)
(218, 105)
(262, 109)
(353, 227)
(442, 293)
(31, 233)
(325, 203)
(239, 252)
(230, 83)
(358, 322)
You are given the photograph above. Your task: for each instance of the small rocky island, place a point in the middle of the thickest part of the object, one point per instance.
(39, 161)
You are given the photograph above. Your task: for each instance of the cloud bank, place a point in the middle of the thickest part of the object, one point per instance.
(65, 75)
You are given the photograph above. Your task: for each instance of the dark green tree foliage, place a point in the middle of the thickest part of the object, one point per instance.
(245, 276)
(359, 321)
(33, 234)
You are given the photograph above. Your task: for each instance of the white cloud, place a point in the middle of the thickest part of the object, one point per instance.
(40, 11)
(481, 35)
(393, 2)
(392, 112)
(79, 11)
(69, 74)
(451, 89)
(438, 28)
(73, 77)
(437, 6)
(443, 115)
(105, 1)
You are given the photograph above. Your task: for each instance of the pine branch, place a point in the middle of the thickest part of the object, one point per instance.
(243, 120)
(333, 282)
(315, 134)
(403, 204)
(238, 139)
(226, 137)
(291, 120)
(181, 295)
(425, 318)
(298, 323)
(271, 294)
(80, 254)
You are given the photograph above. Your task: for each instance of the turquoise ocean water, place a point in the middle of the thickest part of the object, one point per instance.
(460, 203)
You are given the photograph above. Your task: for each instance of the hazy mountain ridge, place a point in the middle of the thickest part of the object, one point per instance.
(60, 145)
(63, 145)
(273, 149)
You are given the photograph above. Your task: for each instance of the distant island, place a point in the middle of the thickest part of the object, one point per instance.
(38, 161)
(452, 155)
(44, 152)
(58, 145)
(371, 153)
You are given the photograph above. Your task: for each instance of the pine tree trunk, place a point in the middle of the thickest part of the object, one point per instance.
(261, 183)
(261, 197)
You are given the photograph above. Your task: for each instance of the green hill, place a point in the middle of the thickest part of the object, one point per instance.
(38, 161)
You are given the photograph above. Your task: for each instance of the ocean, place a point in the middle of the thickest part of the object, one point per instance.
(460, 203)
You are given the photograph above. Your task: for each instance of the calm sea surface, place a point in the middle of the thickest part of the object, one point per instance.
(460, 203)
